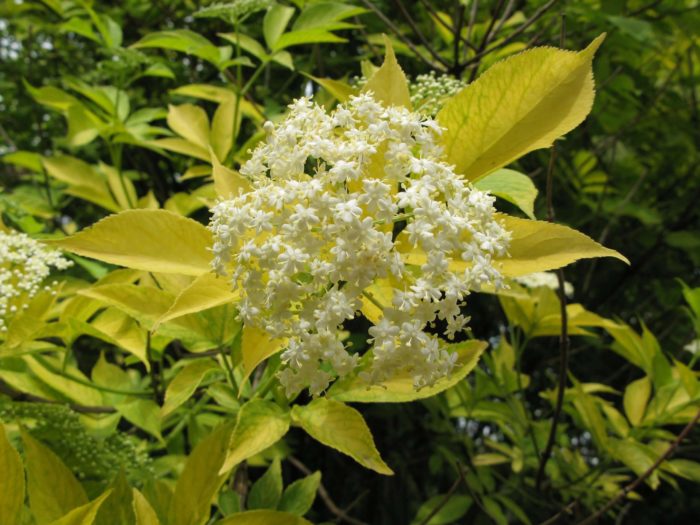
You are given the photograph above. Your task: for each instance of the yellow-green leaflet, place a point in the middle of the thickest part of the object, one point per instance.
(389, 84)
(199, 481)
(143, 511)
(263, 517)
(206, 291)
(186, 382)
(150, 240)
(11, 482)
(399, 389)
(636, 398)
(256, 346)
(259, 425)
(85, 514)
(519, 105)
(343, 428)
(53, 490)
(538, 246)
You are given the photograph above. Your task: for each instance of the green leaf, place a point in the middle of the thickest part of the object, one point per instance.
(457, 506)
(199, 482)
(636, 398)
(263, 517)
(259, 425)
(52, 488)
(299, 496)
(298, 38)
(684, 468)
(185, 41)
(325, 15)
(274, 23)
(143, 413)
(186, 382)
(84, 515)
(519, 105)
(638, 457)
(267, 490)
(399, 389)
(343, 428)
(11, 482)
(117, 508)
(512, 186)
(389, 84)
(150, 240)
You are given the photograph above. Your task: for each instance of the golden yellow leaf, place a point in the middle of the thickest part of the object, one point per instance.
(343, 428)
(11, 482)
(256, 346)
(399, 389)
(389, 84)
(520, 104)
(206, 291)
(191, 123)
(150, 240)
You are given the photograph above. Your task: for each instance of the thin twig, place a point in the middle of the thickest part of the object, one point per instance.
(401, 37)
(419, 33)
(325, 496)
(447, 497)
(487, 37)
(642, 477)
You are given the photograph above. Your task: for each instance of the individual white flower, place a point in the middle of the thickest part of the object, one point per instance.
(337, 201)
(545, 280)
(24, 266)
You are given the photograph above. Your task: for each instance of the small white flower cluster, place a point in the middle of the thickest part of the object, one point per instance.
(24, 265)
(429, 92)
(323, 221)
(544, 280)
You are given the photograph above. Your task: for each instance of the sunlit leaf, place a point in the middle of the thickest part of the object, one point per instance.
(343, 428)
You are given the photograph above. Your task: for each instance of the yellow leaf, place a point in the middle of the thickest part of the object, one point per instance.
(538, 246)
(53, 490)
(636, 398)
(389, 84)
(180, 146)
(228, 183)
(519, 105)
(85, 514)
(222, 126)
(263, 517)
(144, 513)
(341, 91)
(256, 346)
(150, 240)
(343, 428)
(399, 389)
(206, 291)
(517, 188)
(83, 181)
(259, 425)
(186, 382)
(191, 123)
(199, 481)
(11, 482)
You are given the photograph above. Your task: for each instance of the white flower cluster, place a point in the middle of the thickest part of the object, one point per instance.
(429, 92)
(544, 280)
(331, 194)
(24, 265)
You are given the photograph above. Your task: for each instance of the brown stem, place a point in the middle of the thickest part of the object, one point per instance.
(447, 497)
(642, 477)
(325, 496)
(419, 33)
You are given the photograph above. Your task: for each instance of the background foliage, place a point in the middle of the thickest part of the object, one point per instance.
(107, 106)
